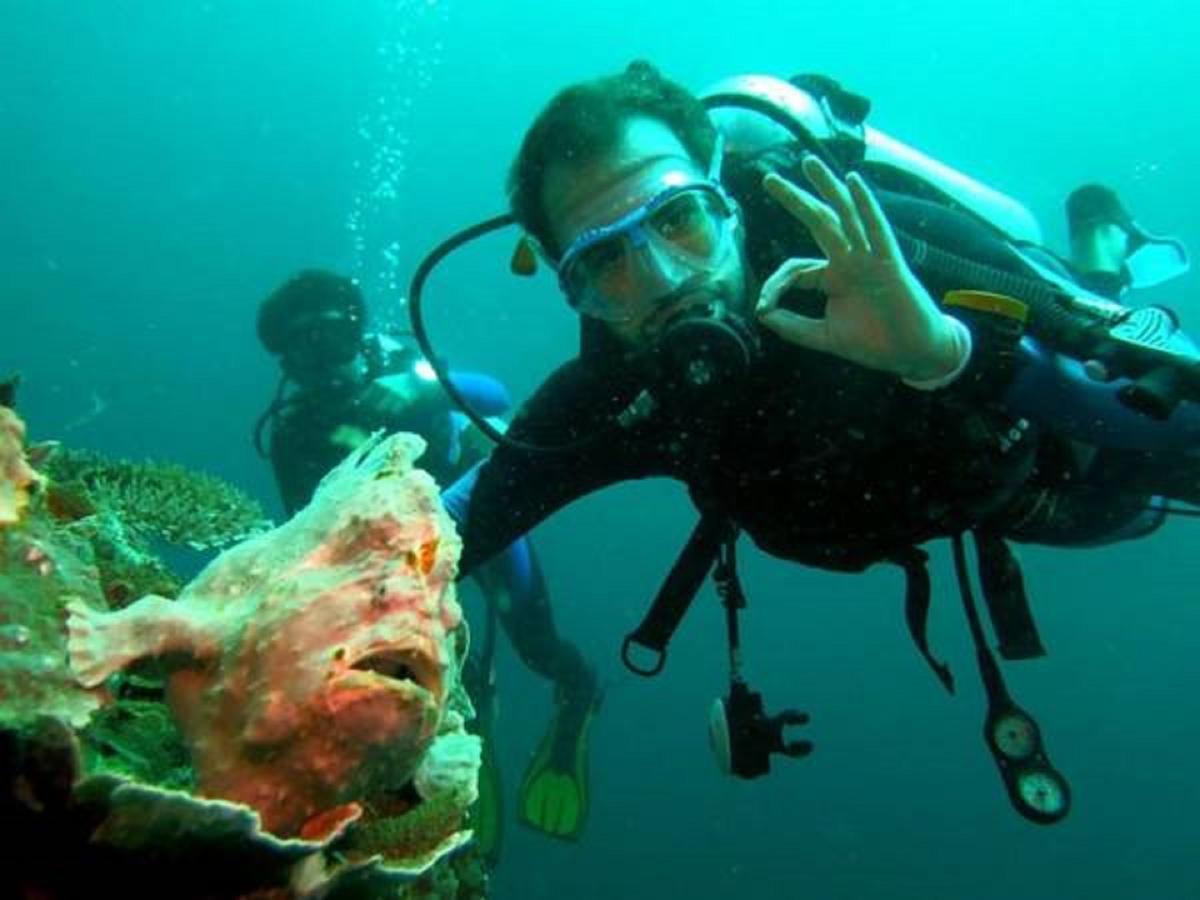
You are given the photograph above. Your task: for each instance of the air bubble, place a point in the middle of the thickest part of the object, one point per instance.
(409, 54)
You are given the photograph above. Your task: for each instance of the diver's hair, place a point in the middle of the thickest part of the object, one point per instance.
(584, 121)
(304, 294)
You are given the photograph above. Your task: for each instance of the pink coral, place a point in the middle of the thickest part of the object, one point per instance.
(311, 664)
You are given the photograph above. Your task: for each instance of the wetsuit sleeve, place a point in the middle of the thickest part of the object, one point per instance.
(528, 619)
(1056, 391)
(487, 395)
(513, 582)
(515, 489)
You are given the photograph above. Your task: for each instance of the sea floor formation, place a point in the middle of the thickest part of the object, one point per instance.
(97, 785)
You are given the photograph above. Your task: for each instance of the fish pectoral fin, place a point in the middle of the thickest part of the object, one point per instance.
(101, 643)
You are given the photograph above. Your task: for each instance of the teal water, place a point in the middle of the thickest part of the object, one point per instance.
(166, 165)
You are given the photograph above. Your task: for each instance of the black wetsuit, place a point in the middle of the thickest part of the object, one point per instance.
(814, 457)
(818, 460)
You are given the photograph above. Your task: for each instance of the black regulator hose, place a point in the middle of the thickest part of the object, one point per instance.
(1075, 327)
(416, 316)
(1069, 330)
(1065, 329)
(1050, 317)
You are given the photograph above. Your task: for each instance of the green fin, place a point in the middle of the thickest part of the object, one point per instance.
(487, 815)
(553, 797)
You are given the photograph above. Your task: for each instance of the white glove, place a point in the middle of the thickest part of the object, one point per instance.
(877, 313)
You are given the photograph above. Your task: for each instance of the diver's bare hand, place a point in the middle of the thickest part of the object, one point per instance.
(877, 314)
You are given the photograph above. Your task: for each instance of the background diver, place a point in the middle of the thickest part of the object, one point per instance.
(339, 384)
(1110, 252)
(765, 331)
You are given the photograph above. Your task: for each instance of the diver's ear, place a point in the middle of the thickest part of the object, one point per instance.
(525, 256)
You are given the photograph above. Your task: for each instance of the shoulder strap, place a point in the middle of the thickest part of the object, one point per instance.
(1004, 593)
(675, 596)
(915, 563)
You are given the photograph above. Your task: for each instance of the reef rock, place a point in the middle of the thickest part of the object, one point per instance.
(310, 666)
(40, 565)
(17, 477)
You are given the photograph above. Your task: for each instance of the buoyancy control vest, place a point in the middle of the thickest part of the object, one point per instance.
(956, 233)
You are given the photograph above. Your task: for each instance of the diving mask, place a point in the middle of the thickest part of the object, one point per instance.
(323, 340)
(686, 230)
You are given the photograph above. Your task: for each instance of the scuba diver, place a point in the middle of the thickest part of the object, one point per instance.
(1110, 252)
(339, 384)
(842, 349)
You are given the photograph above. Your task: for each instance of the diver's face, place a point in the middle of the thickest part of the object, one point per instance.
(323, 351)
(647, 160)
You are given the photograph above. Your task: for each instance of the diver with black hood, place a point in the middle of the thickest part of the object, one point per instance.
(340, 383)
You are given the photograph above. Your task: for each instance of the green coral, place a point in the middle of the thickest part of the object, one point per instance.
(138, 739)
(162, 499)
(126, 568)
(414, 833)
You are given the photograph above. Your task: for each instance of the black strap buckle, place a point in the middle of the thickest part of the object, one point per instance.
(678, 591)
(660, 660)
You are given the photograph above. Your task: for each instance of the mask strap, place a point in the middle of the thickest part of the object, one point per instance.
(718, 157)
